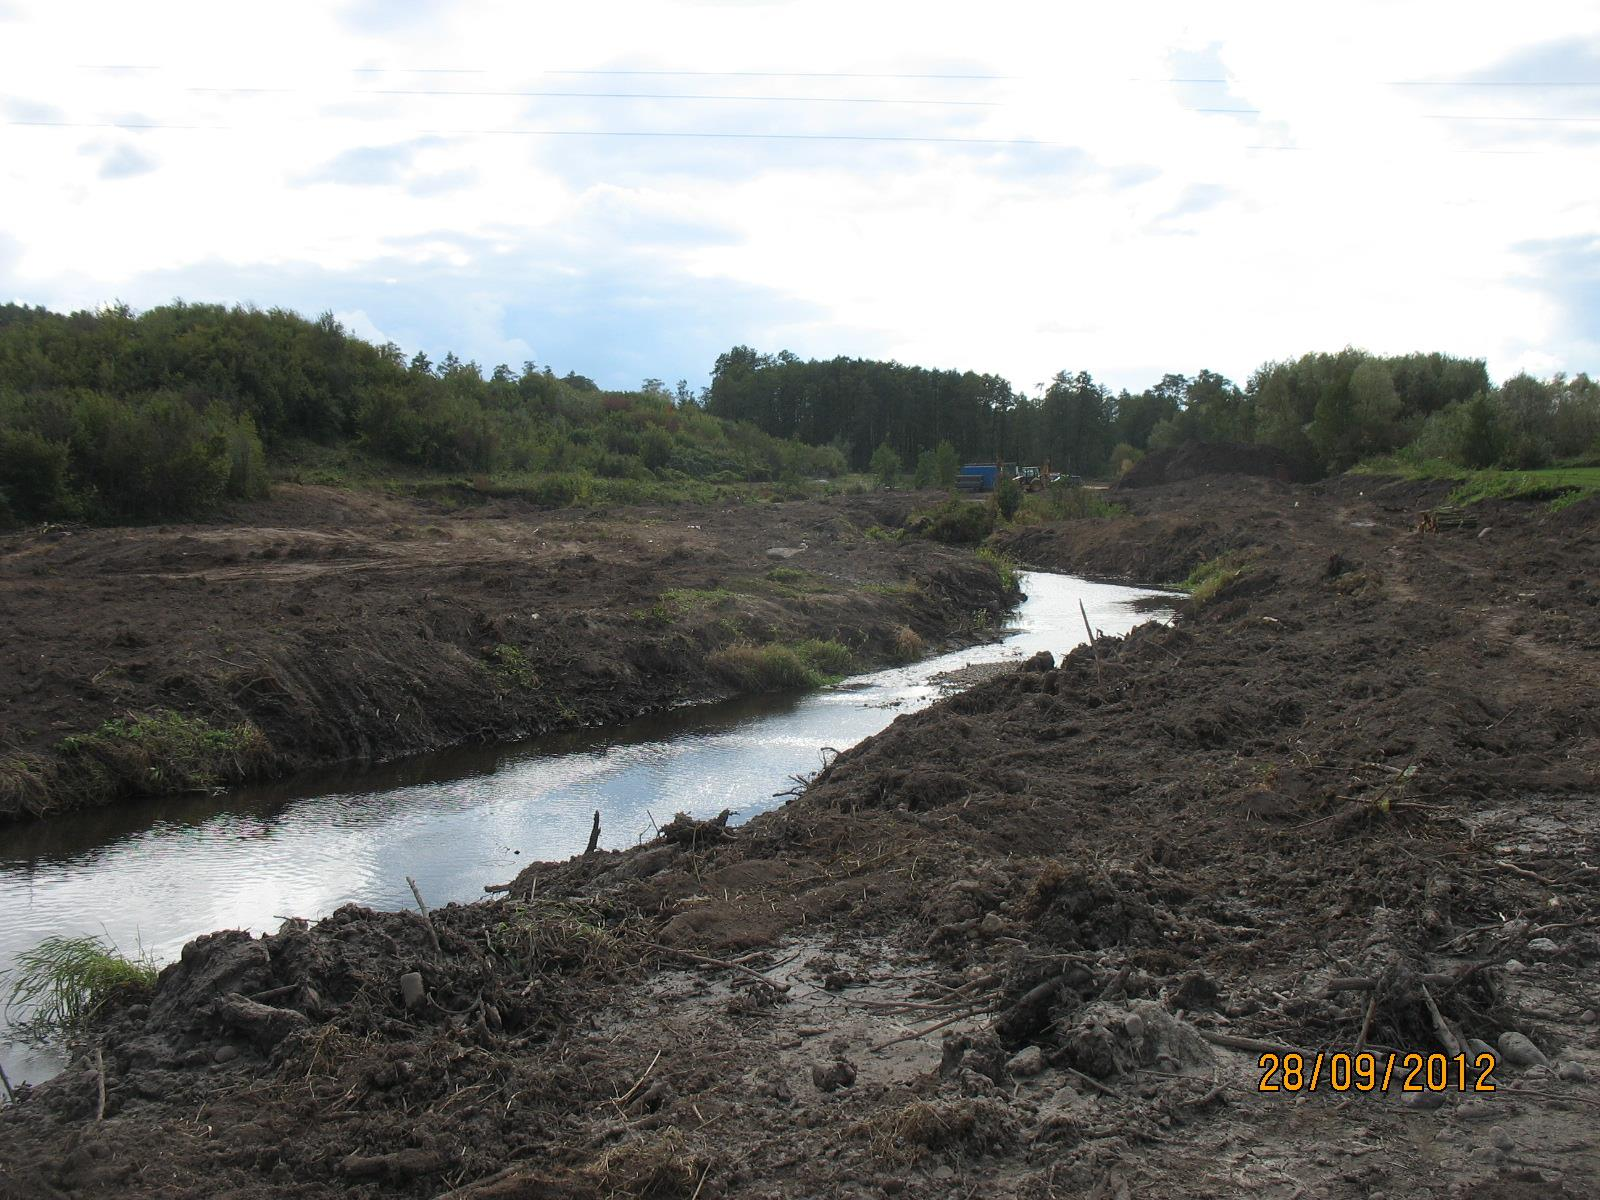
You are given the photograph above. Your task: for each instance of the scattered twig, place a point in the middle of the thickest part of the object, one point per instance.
(725, 964)
(964, 1015)
(433, 934)
(628, 1095)
(1525, 873)
(1102, 1088)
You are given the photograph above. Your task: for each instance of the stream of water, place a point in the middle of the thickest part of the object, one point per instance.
(151, 876)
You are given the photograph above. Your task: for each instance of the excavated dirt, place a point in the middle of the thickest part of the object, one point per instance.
(327, 627)
(1029, 942)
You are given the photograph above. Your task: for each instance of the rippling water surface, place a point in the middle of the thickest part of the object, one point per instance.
(151, 876)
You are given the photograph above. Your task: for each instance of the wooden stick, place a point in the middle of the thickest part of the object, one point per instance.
(1233, 1042)
(1356, 983)
(6, 1083)
(1366, 1022)
(594, 835)
(1447, 1037)
(433, 934)
(100, 1069)
(1093, 645)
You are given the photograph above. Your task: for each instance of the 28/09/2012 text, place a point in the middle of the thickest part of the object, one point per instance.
(1366, 1072)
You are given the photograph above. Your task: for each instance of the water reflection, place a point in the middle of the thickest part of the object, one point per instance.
(153, 875)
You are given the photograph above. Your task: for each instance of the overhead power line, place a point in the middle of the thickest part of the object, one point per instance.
(616, 96)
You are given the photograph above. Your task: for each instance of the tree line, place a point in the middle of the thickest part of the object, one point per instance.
(1324, 411)
(117, 415)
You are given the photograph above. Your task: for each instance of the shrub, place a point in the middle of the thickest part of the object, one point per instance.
(955, 521)
(35, 473)
(1007, 498)
(1066, 502)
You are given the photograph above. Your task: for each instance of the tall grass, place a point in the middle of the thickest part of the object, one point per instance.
(63, 982)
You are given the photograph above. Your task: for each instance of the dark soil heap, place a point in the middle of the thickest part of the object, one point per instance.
(1030, 942)
(1193, 460)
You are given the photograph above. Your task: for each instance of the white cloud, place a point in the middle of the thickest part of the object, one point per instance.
(1146, 236)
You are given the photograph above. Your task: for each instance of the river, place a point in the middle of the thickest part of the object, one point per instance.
(150, 876)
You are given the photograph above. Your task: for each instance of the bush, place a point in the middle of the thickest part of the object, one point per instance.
(955, 521)
(1066, 502)
(1124, 457)
(1007, 498)
(35, 473)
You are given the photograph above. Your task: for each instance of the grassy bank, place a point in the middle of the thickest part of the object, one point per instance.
(1559, 485)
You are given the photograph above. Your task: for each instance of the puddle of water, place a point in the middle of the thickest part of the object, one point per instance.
(151, 876)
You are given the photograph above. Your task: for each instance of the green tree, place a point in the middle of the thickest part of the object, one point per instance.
(885, 465)
(1483, 436)
(946, 465)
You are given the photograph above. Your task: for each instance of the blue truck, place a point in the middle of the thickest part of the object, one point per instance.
(978, 477)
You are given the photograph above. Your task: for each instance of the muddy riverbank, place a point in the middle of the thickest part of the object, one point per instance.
(1029, 942)
(326, 627)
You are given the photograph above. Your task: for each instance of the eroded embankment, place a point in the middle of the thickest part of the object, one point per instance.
(1012, 946)
(327, 627)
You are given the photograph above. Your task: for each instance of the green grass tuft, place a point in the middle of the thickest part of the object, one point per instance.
(166, 751)
(64, 982)
(779, 666)
(1208, 579)
(1006, 568)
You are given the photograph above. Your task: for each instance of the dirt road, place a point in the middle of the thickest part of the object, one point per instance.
(326, 626)
(1030, 942)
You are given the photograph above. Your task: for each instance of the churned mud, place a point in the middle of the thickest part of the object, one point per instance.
(1032, 941)
(327, 627)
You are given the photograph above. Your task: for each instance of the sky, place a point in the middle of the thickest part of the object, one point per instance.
(628, 189)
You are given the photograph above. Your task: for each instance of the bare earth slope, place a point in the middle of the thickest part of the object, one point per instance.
(1030, 942)
(326, 627)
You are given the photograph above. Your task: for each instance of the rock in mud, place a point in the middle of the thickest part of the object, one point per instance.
(1519, 1051)
(1476, 1047)
(1026, 1063)
(412, 992)
(1572, 1072)
(830, 1077)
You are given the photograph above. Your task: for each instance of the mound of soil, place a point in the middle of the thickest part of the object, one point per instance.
(326, 627)
(1033, 941)
(1194, 459)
